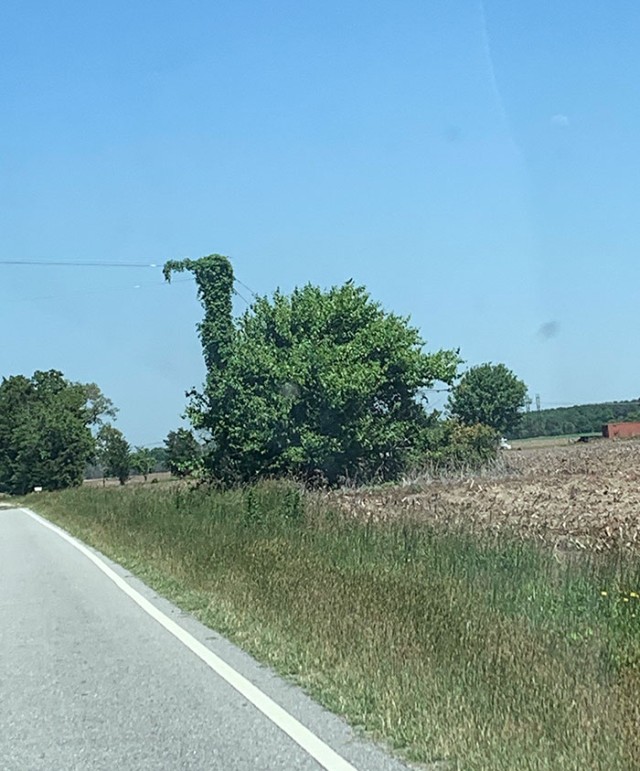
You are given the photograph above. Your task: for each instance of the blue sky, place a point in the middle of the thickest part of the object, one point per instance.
(474, 165)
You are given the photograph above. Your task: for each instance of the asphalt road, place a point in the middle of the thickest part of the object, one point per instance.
(89, 679)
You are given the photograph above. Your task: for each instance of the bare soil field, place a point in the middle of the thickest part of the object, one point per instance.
(549, 441)
(572, 496)
(135, 479)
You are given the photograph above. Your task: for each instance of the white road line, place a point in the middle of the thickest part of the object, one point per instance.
(310, 743)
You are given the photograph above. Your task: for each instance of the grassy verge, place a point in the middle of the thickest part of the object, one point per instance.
(484, 653)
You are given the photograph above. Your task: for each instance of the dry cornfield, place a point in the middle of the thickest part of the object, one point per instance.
(578, 496)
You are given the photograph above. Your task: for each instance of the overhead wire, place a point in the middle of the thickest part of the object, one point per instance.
(106, 264)
(242, 297)
(79, 264)
(248, 288)
(98, 264)
(84, 292)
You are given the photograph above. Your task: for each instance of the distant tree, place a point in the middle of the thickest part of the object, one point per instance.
(45, 430)
(114, 453)
(578, 419)
(183, 452)
(160, 458)
(143, 461)
(489, 394)
(320, 384)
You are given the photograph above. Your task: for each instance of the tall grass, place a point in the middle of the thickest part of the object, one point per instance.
(482, 652)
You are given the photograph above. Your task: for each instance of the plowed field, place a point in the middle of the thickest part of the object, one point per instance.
(578, 496)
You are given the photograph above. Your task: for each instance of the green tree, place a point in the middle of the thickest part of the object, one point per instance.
(454, 445)
(489, 394)
(114, 453)
(98, 406)
(160, 458)
(45, 430)
(183, 452)
(321, 384)
(143, 461)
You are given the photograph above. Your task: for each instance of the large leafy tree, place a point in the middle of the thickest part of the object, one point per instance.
(45, 430)
(317, 383)
(114, 453)
(489, 394)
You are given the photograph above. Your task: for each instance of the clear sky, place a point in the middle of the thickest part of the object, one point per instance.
(476, 166)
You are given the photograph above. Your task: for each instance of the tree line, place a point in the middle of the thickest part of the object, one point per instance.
(322, 385)
(52, 431)
(579, 419)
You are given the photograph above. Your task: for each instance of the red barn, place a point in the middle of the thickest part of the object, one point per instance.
(620, 430)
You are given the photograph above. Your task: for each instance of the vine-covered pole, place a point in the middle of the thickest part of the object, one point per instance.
(214, 278)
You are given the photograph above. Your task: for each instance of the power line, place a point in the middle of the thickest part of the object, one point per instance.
(86, 292)
(242, 297)
(79, 264)
(248, 288)
(98, 264)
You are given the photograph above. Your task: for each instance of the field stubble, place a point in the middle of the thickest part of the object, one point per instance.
(573, 497)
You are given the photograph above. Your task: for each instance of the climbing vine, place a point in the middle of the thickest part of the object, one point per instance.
(214, 279)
